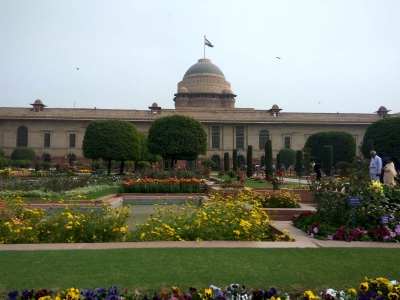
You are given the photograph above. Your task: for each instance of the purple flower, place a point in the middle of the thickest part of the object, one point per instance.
(274, 291)
(315, 229)
(311, 235)
(156, 297)
(187, 296)
(330, 237)
(13, 295)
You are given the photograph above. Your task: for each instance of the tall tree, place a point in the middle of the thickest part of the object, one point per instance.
(234, 160)
(278, 161)
(226, 162)
(111, 140)
(327, 159)
(249, 161)
(288, 156)
(177, 137)
(268, 159)
(299, 162)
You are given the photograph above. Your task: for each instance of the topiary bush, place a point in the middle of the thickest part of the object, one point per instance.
(299, 162)
(226, 162)
(288, 156)
(1, 153)
(268, 159)
(249, 161)
(278, 161)
(343, 145)
(21, 153)
(235, 161)
(327, 160)
(385, 136)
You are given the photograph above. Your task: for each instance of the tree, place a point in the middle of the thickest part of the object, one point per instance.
(288, 156)
(145, 153)
(366, 147)
(278, 161)
(327, 159)
(1, 153)
(177, 137)
(299, 162)
(226, 162)
(22, 153)
(111, 140)
(343, 145)
(385, 135)
(249, 161)
(234, 160)
(268, 159)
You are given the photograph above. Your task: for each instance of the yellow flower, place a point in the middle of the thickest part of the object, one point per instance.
(364, 286)
(208, 293)
(352, 292)
(393, 296)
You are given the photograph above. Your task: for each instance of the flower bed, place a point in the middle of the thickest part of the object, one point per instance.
(170, 185)
(379, 289)
(279, 199)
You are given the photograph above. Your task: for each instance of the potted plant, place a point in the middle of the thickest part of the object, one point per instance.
(208, 164)
(343, 166)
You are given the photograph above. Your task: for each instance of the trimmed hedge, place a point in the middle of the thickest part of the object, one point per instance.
(385, 135)
(268, 159)
(22, 153)
(343, 145)
(327, 160)
(288, 156)
(249, 161)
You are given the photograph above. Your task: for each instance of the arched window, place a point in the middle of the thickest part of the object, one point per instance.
(263, 138)
(22, 136)
(241, 160)
(217, 160)
(46, 158)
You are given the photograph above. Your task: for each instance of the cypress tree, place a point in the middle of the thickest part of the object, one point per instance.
(299, 162)
(249, 161)
(234, 158)
(268, 159)
(327, 160)
(226, 162)
(278, 161)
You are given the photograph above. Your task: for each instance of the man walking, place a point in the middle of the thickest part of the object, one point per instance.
(375, 166)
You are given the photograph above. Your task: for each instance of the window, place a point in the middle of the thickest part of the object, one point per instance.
(287, 142)
(262, 139)
(239, 137)
(46, 143)
(22, 136)
(215, 137)
(72, 140)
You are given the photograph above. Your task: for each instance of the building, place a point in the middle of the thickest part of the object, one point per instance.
(56, 134)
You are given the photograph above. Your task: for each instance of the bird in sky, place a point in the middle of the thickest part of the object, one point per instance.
(77, 69)
(278, 57)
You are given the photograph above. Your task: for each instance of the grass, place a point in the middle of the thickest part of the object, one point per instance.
(256, 184)
(94, 195)
(290, 270)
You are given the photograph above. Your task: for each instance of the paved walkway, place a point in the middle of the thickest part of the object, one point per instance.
(301, 241)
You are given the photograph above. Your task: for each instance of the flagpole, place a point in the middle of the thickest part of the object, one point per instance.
(204, 45)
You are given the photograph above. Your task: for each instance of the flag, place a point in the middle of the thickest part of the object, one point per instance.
(208, 43)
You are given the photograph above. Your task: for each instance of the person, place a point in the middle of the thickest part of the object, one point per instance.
(242, 175)
(375, 166)
(389, 173)
(317, 170)
(384, 159)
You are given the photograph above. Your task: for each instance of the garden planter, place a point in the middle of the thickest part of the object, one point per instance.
(287, 214)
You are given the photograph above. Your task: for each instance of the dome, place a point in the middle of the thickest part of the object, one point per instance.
(183, 90)
(227, 92)
(275, 106)
(38, 101)
(154, 104)
(204, 66)
(382, 108)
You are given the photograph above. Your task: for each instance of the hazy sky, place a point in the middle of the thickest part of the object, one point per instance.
(335, 55)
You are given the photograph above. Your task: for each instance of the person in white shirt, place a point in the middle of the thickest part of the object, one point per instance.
(375, 166)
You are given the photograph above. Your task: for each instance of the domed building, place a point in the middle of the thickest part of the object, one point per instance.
(204, 85)
(56, 134)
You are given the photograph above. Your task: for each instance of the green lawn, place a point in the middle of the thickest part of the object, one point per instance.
(94, 195)
(256, 184)
(291, 270)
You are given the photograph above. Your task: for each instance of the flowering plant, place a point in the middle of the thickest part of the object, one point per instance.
(231, 185)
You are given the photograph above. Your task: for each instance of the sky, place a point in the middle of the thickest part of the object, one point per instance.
(335, 56)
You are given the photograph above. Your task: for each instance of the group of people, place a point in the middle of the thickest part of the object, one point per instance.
(383, 169)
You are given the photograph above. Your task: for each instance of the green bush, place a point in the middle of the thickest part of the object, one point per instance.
(278, 161)
(344, 165)
(299, 162)
(343, 145)
(288, 156)
(385, 136)
(249, 161)
(1, 153)
(268, 159)
(327, 159)
(226, 162)
(235, 160)
(21, 153)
